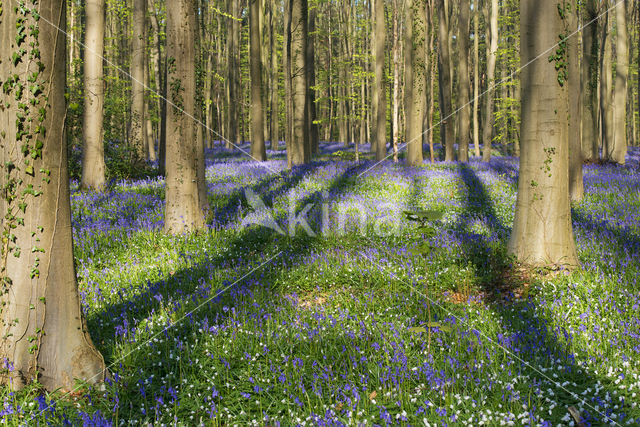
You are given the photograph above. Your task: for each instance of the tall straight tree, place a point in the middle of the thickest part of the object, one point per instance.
(379, 92)
(184, 204)
(93, 167)
(138, 53)
(606, 87)
(464, 115)
(300, 144)
(273, 77)
(48, 343)
(542, 232)
(491, 16)
(258, 151)
(476, 77)
(233, 73)
(415, 78)
(576, 186)
(619, 149)
(589, 81)
(314, 136)
(446, 86)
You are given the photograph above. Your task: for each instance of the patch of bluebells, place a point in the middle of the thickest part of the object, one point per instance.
(321, 336)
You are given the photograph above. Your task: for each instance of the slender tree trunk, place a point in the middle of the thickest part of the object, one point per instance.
(151, 145)
(476, 79)
(93, 168)
(414, 78)
(273, 72)
(446, 108)
(314, 139)
(619, 149)
(49, 344)
(162, 87)
(258, 151)
(576, 187)
(542, 231)
(288, 83)
(379, 90)
(184, 207)
(138, 53)
(492, 51)
(300, 147)
(396, 80)
(233, 67)
(606, 92)
(589, 77)
(464, 115)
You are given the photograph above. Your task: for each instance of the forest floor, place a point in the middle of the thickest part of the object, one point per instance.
(361, 324)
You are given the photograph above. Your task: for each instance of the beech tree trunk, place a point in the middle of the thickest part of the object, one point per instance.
(395, 119)
(476, 79)
(138, 53)
(606, 90)
(589, 78)
(184, 204)
(542, 231)
(288, 83)
(446, 87)
(379, 91)
(464, 115)
(300, 146)
(576, 187)
(233, 70)
(491, 14)
(619, 149)
(258, 151)
(273, 72)
(314, 136)
(415, 78)
(44, 335)
(93, 167)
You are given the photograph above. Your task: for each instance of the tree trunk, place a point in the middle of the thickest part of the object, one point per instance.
(446, 109)
(162, 88)
(233, 79)
(274, 128)
(300, 147)
(288, 83)
(395, 119)
(619, 148)
(258, 151)
(49, 345)
(379, 137)
(606, 93)
(414, 78)
(476, 80)
(151, 144)
(314, 139)
(138, 53)
(93, 168)
(464, 114)
(184, 207)
(589, 77)
(576, 187)
(492, 51)
(542, 231)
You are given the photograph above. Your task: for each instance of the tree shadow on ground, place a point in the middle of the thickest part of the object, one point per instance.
(525, 333)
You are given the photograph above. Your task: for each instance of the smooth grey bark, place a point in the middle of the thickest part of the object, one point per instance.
(395, 114)
(619, 149)
(93, 167)
(576, 187)
(314, 136)
(476, 79)
(258, 151)
(138, 53)
(273, 76)
(464, 113)
(491, 16)
(184, 204)
(589, 78)
(446, 88)
(149, 138)
(162, 88)
(415, 78)
(288, 83)
(233, 77)
(542, 231)
(43, 328)
(606, 89)
(300, 146)
(379, 91)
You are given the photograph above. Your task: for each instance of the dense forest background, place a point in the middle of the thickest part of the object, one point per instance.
(340, 37)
